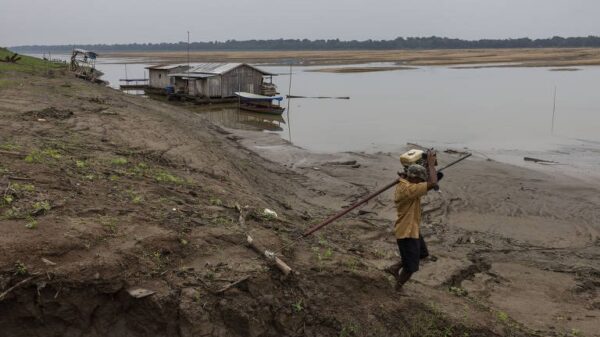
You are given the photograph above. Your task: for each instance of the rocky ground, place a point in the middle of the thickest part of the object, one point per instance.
(104, 194)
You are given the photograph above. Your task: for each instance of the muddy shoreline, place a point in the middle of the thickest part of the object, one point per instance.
(108, 193)
(508, 222)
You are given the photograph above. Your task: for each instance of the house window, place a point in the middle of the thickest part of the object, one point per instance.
(159, 75)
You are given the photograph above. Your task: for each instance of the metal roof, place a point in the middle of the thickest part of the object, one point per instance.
(192, 75)
(221, 68)
(166, 66)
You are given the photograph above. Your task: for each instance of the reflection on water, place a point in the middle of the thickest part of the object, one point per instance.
(232, 117)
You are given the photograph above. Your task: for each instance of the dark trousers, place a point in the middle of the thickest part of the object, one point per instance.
(411, 251)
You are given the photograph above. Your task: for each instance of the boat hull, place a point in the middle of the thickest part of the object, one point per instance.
(274, 110)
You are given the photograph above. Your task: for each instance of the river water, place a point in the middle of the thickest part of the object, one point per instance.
(504, 112)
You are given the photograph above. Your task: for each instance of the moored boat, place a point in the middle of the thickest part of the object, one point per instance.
(261, 104)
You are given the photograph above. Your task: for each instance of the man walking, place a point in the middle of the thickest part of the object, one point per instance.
(408, 204)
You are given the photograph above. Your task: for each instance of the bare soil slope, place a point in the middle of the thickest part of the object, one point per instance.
(103, 193)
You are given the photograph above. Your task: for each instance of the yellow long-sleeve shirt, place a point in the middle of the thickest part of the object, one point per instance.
(408, 205)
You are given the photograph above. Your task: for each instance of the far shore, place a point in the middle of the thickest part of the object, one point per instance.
(542, 57)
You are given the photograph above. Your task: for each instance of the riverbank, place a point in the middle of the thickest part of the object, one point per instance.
(543, 57)
(106, 193)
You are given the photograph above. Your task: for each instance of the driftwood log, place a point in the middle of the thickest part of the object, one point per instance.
(541, 161)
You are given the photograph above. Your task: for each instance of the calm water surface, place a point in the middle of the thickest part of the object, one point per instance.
(489, 109)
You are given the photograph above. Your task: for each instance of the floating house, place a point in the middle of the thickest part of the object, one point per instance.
(220, 80)
(159, 74)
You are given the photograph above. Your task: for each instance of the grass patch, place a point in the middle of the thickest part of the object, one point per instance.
(20, 269)
(215, 201)
(110, 224)
(119, 161)
(8, 146)
(22, 187)
(31, 223)
(41, 207)
(163, 176)
(80, 164)
(297, 306)
(134, 197)
(28, 64)
(8, 199)
(458, 291)
(12, 213)
(39, 156)
(138, 170)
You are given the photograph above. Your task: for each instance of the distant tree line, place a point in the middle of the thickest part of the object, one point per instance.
(432, 42)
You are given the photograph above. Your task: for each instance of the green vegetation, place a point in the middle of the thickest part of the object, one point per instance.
(40, 156)
(215, 201)
(22, 187)
(138, 170)
(502, 316)
(8, 146)
(41, 207)
(221, 220)
(80, 164)
(159, 259)
(27, 64)
(31, 223)
(432, 42)
(135, 197)
(352, 264)
(298, 306)
(458, 291)
(349, 329)
(12, 213)
(20, 269)
(163, 176)
(109, 224)
(119, 161)
(8, 199)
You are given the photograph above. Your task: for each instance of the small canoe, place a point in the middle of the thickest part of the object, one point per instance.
(260, 103)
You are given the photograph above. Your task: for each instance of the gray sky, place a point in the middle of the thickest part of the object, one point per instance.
(123, 21)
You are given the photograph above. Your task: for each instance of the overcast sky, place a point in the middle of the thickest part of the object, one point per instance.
(24, 22)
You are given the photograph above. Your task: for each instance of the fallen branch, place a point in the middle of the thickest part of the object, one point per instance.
(452, 151)
(20, 178)
(269, 256)
(536, 160)
(234, 284)
(11, 153)
(15, 287)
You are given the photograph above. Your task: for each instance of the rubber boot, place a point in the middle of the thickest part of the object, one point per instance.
(394, 270)
(402, 279)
